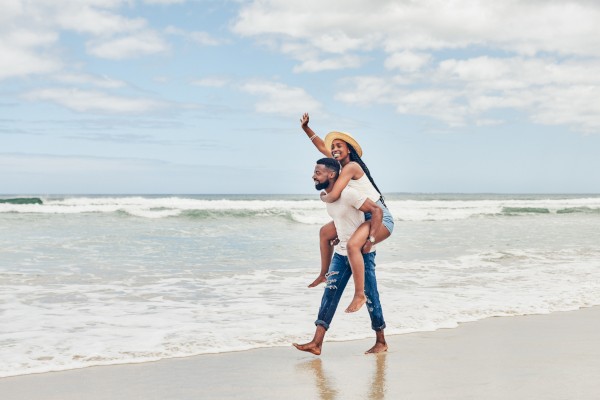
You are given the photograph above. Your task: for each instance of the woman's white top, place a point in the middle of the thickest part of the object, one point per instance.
(364, 186)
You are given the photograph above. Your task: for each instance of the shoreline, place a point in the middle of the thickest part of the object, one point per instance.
(550, 356)
(282, 346)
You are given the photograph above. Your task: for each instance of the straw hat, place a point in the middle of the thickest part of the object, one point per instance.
(346, 137)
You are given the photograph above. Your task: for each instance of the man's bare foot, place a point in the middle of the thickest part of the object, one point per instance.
(310, 347)
(320, 279)
(379, 347)
(357, 302)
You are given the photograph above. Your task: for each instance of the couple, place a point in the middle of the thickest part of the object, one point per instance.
(358, 212)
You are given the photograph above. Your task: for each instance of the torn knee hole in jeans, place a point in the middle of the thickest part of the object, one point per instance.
(330, 281)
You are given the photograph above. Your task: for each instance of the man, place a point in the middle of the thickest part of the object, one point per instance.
(348, 214)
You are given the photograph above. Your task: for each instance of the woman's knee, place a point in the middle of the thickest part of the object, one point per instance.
(328, 232)
(354, 246)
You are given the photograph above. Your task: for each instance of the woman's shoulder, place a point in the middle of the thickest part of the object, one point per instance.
(353, 165)
(355, 169)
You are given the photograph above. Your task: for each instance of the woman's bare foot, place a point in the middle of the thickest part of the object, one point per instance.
(320, 279)
(310, 347)
(379, 347)
(357, 302)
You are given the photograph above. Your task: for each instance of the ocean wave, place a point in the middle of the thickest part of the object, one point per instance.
(300, 211)
(524, 210)
(581, 210)
(168, 207)
(22, 200)
(446, 210)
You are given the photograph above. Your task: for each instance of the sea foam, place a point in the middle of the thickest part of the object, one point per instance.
(57, 327)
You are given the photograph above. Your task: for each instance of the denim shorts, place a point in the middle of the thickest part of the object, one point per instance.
(388, 220)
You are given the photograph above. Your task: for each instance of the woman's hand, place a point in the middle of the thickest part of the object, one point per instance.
(324, 197)
(316, 141)
(304, 121)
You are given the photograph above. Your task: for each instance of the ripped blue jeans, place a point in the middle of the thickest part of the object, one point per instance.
(337, 278)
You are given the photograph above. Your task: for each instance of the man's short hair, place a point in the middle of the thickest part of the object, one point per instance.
(331, 164)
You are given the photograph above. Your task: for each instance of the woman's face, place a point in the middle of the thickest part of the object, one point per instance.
(339, 149)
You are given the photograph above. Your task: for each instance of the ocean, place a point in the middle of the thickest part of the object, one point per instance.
(99, 280)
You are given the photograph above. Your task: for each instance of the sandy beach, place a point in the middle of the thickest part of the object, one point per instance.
(554, 356)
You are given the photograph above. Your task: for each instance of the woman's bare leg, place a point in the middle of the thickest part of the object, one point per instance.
(327, 235)
(357, 264)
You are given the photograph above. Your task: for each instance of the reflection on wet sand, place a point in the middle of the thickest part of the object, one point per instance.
(326, 392)
(326, 389)
(378, 383)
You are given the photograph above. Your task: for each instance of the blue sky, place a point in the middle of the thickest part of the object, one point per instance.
(176, 96)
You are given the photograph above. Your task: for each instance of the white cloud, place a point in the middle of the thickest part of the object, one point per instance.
(311, 60)
(280, 99)
(407, 61)
(10, 10)
(19, 61)
(30, 33)
(316, 65)
(572, 105)
(525, 27)
(26, 52)
(139, 44)
(542, 56)
(366, 89)
(94, 101)
(98, 20)
(459, 92)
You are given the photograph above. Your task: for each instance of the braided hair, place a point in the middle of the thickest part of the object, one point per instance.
(356, 158)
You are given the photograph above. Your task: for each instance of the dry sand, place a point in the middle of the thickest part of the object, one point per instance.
(555, 356)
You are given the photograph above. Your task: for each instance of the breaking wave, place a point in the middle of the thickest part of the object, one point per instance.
(301, 210)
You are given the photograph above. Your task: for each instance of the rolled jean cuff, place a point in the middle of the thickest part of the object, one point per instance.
(322, 323)
(376, 329)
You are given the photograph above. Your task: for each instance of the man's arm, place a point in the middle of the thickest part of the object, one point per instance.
(376, 220)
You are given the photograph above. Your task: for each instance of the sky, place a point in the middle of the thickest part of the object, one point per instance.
(205, 97)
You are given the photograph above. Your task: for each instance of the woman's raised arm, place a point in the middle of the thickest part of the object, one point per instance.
(317, 141)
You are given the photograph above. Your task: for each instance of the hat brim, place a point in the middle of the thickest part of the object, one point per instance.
(346, 137)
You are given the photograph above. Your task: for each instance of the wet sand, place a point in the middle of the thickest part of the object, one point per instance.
(555, 356)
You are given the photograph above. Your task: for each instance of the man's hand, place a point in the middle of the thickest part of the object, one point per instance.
(304, 121)
(367, 247)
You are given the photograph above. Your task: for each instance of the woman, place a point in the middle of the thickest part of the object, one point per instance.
(342, 147)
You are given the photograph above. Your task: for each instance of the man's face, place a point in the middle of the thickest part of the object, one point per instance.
(321, 177)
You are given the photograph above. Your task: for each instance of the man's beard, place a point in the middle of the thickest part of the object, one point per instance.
(321, 186)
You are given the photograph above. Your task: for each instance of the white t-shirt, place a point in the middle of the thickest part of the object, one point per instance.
(346, 216)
